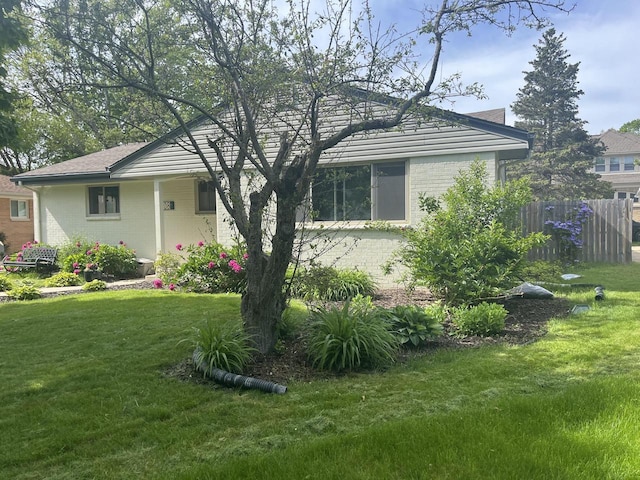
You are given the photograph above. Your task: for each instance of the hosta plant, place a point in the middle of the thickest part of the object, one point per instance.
(26, 291)
(414, 326)
(94, 286)
(62, 279)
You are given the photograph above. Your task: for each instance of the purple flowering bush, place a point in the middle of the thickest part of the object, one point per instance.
(567, 233)
(211, 268)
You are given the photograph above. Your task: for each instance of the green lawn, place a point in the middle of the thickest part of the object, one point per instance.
(83, 396)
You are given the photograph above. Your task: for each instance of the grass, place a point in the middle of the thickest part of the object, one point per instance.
(83, 396)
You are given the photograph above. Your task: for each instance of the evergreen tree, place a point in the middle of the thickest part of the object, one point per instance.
(563, 153)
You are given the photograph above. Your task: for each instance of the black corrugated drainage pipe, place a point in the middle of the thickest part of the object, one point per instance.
(233, 380)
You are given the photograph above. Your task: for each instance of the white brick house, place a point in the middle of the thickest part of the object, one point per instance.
(154, 196)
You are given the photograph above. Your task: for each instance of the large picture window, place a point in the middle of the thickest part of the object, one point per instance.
(104, 200)
(206, 201)
(19, 209)
(356, 193)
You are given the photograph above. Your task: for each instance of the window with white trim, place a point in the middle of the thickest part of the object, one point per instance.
(614, 164)
(104, 200)
(19, 209)
(629, 164)
(600, 164)
(206, 197)
(360, 193)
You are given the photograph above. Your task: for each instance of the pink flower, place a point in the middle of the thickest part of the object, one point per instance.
(157, 283)
(78, 244)
(24, 245)
(76, 271)
(121, 242)
(223, 255)
(76, 264)
(211, 265)
(201, 243)
(172, 287)
(235, 266)
(245, 256)
(179, 247)
(89, 252)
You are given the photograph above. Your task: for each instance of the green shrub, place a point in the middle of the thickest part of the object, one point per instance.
(5, 283)
(290, 322)
(62, 279)
(26, 291)
(167, 266)
(119, 260)
(94, 286)
(350, 337)
(77, 255)
(331, 284)
(223, 345)
(542, 271)
(212, 268)
(473, 248)
(413, 325)
(483, 320)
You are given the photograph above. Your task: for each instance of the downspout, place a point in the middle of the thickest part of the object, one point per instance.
(158, 219)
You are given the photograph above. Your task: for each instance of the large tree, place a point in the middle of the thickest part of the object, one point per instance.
(632, 126)
(564, 153)
(282, 88)
(12, 35)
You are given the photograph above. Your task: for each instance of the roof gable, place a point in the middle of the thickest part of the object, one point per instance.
(618, 143)
(9, 189)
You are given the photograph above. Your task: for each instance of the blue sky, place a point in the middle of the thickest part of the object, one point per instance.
(601, 35)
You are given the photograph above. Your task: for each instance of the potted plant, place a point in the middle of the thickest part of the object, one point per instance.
(91, 272)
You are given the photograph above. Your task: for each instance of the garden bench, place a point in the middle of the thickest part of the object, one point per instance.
(34, 257)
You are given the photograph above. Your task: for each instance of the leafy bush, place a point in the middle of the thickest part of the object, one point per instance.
(473, 248)
(290, 322)
(413, 325)
(211, 268)
(26, 291)
(80, 254)
(167, 266)
(62, 279)
(350, 337)
(542, 271)
(223, 345)
(331, 284)
(483, 320)
(5, 284)
(94, 286)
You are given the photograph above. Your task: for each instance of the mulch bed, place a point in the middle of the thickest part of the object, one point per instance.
(525, 323)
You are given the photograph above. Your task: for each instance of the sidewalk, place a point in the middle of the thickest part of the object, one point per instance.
(63, 290)
(635, 254)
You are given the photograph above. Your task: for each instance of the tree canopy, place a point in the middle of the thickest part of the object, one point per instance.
(547, 105)
(315, 78)
(632, 126)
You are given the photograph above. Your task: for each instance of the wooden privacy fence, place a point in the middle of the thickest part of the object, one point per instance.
(606, 234)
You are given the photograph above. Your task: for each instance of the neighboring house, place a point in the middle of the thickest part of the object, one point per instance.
(157, 195)
(16, 215)
(619, 163)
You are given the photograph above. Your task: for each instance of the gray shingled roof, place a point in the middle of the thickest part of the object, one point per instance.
(620, 143)
(9, 189)
(497, 115)
(94, 163)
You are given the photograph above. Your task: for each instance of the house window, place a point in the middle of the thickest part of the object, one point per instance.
(206, 201)
(19, 209)
(600, 164)
(365, 192)
(614, 164)
(629, 164)
(104, 200)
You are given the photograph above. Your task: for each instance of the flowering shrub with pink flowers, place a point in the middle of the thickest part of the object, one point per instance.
(79, 255)
(211, 268)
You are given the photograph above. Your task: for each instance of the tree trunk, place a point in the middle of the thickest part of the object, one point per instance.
(264, 299)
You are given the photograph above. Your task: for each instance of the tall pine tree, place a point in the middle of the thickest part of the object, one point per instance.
(563, 154)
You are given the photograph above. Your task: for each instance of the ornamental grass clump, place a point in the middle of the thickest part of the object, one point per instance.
(483, 320)
(222, 345)
(350, 337)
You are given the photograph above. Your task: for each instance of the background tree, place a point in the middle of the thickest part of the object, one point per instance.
(563, 154)
(12, 35)
(631, 127)
(276, 89)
